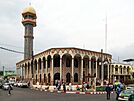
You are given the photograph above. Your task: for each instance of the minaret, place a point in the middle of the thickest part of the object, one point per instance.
(29, 21)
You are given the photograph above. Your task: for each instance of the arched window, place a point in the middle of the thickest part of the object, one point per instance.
(68, 62)
(39, 63)
(76, 63)
(48, 61)
(56, 60)
(44, 62)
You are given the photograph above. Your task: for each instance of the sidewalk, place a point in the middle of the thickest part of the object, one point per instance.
(51, 89)
(79, 92)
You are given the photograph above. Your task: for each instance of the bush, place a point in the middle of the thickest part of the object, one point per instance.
(100, 88)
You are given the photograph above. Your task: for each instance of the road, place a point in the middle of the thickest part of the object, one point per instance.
(26, 94)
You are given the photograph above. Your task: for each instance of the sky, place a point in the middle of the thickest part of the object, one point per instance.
(68, 23)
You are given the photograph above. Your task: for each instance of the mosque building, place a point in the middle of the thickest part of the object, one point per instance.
(68, 64)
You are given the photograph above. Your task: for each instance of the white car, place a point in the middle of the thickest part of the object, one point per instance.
(19, 84)
(22, 84)
(5, 86)
(130, 86)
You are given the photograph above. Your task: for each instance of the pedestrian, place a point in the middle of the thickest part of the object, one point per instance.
(118, 91)
(108, 90)
(70, 86)
(9, 89)
(64, 87)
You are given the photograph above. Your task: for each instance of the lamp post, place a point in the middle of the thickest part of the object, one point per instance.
(32, 68)
(3, 71)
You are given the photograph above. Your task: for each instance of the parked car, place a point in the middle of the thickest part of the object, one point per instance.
(5, 86)
(16, 84)
(125, 94)
(22, 84)
(131, 97)
(12, 82)
(130, 86)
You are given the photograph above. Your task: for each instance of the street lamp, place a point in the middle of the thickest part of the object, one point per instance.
(3, 71)
(32, 68)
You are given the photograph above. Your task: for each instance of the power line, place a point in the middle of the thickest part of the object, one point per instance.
(11, 50)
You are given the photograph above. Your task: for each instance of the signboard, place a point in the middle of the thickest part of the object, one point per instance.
(9, 73)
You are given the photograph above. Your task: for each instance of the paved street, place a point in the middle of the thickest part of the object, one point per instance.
(26, 94)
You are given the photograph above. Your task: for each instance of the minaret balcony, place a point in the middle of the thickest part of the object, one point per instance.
(31, 21)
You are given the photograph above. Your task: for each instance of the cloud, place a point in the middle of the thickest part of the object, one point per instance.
(68, 23)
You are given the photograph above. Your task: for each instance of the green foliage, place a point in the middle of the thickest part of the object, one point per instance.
(1, 73)
(100, 88)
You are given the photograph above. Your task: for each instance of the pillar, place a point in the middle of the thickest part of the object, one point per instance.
(42, 72)
(46, 72)
(102, 67)
(96, 69)
(72, 72)
(37, 72)
(22, 72)
(60, 69)
(90, 71)
(81, 70)
(52, 72)
(108, 73)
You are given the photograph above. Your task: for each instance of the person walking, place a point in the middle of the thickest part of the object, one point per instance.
(118, 91)
(70, 86)
(108, 90)
(9, 89)
(64, 87)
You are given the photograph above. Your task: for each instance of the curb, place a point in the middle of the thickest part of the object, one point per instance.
(87, 93)
(73, 92)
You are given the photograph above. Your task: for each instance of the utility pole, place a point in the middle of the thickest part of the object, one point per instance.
(3, 71)
(106, 34)
(102, 69)
(32, 70)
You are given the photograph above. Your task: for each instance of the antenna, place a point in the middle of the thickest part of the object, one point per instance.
(29, 3)
(106, 33)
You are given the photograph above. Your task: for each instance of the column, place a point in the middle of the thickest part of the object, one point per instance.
(30, 73)
(22, 72)
(52, 71)
(96, 68)
(108, 73)
(102, 73)
(118, 70)
(81, 70)
(46, 72)
(60, 69)
(90, 71)
(37, 72)
(72, 76)
(102, 67)
(114, 70)
(42, 72)
(27, 73)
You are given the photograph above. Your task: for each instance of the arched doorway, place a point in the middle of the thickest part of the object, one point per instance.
(49, 77)
(40, 78)
(36, 79)
(68, 78)
(75, 77)
(56, 77)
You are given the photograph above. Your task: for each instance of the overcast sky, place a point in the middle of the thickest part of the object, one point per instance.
(68, 23)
